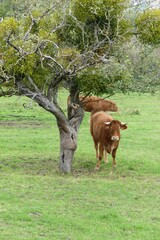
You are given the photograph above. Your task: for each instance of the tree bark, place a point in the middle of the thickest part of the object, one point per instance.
(68, 145)
(68, 139)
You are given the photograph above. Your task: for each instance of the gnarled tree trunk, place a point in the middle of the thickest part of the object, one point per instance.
(68, 138)
(68, 145)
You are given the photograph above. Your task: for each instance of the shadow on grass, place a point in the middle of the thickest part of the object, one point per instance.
(82, 168)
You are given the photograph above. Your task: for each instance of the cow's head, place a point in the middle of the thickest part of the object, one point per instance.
(113, 107)
(114, 128)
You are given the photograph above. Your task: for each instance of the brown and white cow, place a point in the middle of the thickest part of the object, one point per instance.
(94, 104)
(105, 132)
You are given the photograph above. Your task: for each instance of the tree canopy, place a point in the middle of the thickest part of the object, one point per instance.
(63, 41)
(71, 38)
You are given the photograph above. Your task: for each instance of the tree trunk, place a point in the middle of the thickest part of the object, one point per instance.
(68, 138)
(68, 145)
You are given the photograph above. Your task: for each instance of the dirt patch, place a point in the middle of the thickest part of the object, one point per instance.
(23, 124)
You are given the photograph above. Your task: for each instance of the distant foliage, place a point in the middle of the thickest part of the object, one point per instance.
(142, 62)
(148, 25)
(5, 8)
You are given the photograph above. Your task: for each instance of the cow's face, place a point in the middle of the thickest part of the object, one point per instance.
(113, 107)
(114, 128)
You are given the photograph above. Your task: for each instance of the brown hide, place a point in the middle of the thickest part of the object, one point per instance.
(94, 104)
(105, 132)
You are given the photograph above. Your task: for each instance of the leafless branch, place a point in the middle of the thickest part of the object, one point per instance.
(79, 24)
(30, 27)
(9, 42)
(52, 59)
(47, 11)
(58, 27)
(43, 101)
(35, 21)
(33, 84)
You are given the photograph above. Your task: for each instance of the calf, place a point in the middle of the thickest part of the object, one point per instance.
(106, 135)
(94, 104)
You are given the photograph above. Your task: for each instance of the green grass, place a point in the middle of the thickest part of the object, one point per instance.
(37, 202)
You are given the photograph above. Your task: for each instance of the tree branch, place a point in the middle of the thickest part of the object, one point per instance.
(30, 27)
(34, 21)
(9, 43)
(46, 104)
(49, 57)
(33, 84)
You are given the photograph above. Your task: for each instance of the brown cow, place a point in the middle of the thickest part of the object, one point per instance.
(94, 104)
(106, 135)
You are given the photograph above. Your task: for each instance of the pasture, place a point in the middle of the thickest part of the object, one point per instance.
(37, 202)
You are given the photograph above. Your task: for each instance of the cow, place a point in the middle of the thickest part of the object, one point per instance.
(105, 132)
(94, 104)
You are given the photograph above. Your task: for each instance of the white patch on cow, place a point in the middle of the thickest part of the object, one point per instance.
(113, 146)
(115, 138)
(107, 123)
(123, 124)
(105, 156)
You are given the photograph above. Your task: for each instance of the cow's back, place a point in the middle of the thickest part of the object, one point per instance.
(95, 104)
(89, 102)
(106, 105)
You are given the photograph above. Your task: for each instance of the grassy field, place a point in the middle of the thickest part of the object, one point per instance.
(37, 202)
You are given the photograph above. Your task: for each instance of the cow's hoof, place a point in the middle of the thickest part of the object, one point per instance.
(96, 168)
(114, 167)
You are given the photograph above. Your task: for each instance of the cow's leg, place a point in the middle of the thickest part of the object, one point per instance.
(99, 157)
(105, 156)
(96, 147)
(114, 157)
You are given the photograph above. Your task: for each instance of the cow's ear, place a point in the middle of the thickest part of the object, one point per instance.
(123, 126)
(107, 124)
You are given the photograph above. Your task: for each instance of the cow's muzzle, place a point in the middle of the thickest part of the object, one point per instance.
(115, 138)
